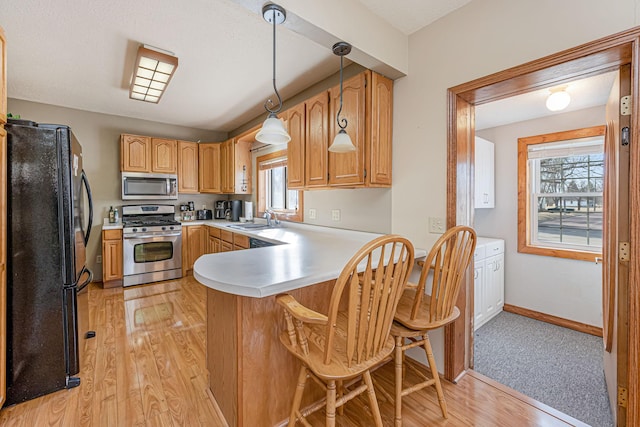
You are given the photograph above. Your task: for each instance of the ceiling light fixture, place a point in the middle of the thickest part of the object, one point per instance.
(342, 142)
(558, 99)
(273, 131)
(154, 69)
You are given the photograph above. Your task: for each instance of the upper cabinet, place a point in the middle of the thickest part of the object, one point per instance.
(164, 155)
(484, 174)
(235, 166)
(187, 167)
(146, 154)
(368, 108)
(135, 153)
(3, 77)
(209, 165)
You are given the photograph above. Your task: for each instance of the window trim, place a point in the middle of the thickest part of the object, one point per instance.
(283, 214)
(524, 197)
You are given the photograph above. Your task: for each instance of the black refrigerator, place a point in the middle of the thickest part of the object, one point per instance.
(47, 233)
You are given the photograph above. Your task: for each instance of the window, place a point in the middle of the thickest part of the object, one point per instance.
(272, 188)
(560, 193)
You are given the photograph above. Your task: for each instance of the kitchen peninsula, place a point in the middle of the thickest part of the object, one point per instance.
(251, 375)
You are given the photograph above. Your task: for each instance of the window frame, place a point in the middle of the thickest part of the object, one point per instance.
(525, 220)
(283, 214)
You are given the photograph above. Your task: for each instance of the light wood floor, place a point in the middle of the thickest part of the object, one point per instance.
(146, 367)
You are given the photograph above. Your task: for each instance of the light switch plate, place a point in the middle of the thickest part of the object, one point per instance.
(335, 215)
(436, 225)
(313, 214)
(99, 259)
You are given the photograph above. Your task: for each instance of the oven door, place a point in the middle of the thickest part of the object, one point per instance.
(152, 252)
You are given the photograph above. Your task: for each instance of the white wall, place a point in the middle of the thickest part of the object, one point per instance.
(99, 135)
(561, 287)
(483, 37)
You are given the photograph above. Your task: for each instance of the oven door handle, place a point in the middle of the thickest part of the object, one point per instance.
(147, 236)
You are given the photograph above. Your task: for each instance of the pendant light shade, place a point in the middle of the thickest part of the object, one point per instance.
(342, 142)
(273, 131)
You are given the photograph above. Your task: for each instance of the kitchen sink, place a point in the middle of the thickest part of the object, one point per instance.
(248, 226)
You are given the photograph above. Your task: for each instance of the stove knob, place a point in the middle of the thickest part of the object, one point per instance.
(135, 230)
(144, 229)
(171, 228)
(164, 228)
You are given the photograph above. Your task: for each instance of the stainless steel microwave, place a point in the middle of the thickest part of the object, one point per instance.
(149, 186)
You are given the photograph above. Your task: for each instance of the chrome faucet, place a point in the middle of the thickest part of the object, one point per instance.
(268, 213)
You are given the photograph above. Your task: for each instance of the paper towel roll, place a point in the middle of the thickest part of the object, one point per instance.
(248, 210)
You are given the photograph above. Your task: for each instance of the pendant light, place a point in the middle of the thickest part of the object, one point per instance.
(273, 131)
(342, 142)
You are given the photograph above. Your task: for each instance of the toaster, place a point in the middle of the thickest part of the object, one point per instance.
(204, 214)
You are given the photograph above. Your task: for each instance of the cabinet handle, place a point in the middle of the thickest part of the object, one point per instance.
(475, 274)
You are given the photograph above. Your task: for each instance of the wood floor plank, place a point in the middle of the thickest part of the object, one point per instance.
(146, 367)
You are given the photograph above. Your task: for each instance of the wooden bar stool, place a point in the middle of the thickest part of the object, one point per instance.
(418, 313)
(353, 337)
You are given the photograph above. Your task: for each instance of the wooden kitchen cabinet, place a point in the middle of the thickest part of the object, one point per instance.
(195, 240)
(368, 108)
(164, 155)
(235, 166)
(209, 165)
(317, 141)
(135, 153)
(295, 121)
(240, 241)
(112, 260)
(3, 77)
(187, 167)
(214, 240)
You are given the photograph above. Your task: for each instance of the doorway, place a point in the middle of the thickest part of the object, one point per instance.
(593, 58)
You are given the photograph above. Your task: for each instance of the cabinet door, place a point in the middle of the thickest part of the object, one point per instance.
(381, 124)
(496, 283)
(348, 168)
(209, 167)
(296, 147)
(187, 167)
(111, 260)
(163, 155)
(197, 237)
(226, 166)
(479, 294)
(317, 140)
(3, 82)
(484, 174)
(135, 153)
(241, 167)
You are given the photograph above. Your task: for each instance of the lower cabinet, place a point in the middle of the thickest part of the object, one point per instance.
(194, 244)
(112, 258)
(488, 280)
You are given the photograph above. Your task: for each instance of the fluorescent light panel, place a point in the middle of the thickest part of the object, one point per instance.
(152, 74)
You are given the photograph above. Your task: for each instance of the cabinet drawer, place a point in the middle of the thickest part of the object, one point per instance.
(214, 232)
(479, 252)
(494, 248)
(227, 236)
(112, 234)
(240, 241)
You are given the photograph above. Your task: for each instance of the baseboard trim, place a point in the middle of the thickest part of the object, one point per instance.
(554, 320)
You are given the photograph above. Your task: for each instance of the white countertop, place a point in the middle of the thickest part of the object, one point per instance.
(106, 225)
(309, 255)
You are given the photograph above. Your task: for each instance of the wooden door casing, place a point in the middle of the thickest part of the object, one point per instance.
(585, 60)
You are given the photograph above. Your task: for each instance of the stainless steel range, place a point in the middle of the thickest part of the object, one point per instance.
(152, 244)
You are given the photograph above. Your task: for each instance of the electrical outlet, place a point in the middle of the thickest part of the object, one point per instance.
(99, 259)
(313, 214)
(436, 225)
(335, 215)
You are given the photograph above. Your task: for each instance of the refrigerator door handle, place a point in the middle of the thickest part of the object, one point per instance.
(85, 181)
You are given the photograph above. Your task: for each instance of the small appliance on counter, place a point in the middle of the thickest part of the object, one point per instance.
(187, 212)
(220, 207)
(235, 210)
(202, 214)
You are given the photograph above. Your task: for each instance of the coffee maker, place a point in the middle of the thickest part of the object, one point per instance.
(220, 208)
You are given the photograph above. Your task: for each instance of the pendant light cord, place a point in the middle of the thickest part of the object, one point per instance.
(342, 122)
(269, 102)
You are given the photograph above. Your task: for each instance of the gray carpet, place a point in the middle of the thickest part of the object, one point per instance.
(559, 367)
